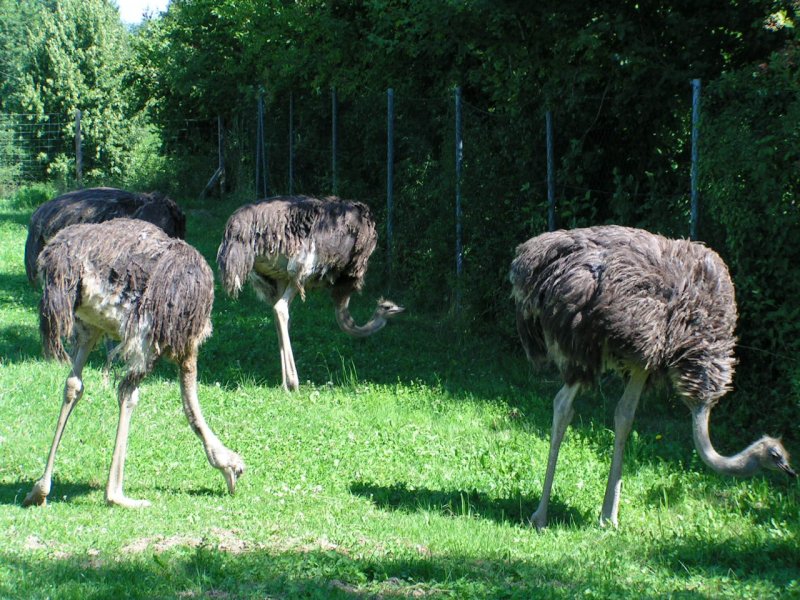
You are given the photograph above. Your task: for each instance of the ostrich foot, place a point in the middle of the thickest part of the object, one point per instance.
(606, 521)
(126, 502)
(291, 384)
(539, 519)
(37, 496)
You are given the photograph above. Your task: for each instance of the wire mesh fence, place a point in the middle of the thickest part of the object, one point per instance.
(28, 145)
(453, 183)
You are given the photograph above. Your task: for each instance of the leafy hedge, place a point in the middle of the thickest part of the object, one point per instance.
(751, 195)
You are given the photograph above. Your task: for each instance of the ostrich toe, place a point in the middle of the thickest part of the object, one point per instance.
(37, 496)
(126, 502)
(539, 520)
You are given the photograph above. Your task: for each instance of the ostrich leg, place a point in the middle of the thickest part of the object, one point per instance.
(623, 419)
(280, 309)
(562, 415)
(128, 397)
(73, 390)
(228, 462)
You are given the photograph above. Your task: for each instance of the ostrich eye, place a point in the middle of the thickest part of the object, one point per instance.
(773, 452)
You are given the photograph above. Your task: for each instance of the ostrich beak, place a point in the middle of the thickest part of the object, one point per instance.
(231, 474)
(389, 308)
(784, 466)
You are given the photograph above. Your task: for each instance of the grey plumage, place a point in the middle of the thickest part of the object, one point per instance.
(342, 234)
(616, 295)
(286, 245)
(96, 205)
(624, 299)
(163, 283)
(129, 280)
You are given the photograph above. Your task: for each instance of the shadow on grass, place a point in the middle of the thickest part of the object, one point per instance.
(196, 492)
(211, 571)
(19, 343)
(18, 282)
(14, 493)
(20, 218)
(412, 348)
(764, 559)
(460, 503)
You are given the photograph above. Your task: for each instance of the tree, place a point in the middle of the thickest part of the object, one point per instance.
(63, 55)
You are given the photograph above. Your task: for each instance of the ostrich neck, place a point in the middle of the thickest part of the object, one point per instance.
(743, 464)
(348, 325)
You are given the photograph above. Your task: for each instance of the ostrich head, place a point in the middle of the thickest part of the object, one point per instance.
(386, 309)
(229, 463)
(773, 456)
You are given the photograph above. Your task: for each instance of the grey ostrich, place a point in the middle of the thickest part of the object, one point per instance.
(640, 304)
(96, 205)
(286, 245)
(130, 280)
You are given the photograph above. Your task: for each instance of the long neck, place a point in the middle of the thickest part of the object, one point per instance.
(743, 464)
(346, 323)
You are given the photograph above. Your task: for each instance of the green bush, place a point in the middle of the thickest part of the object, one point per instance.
(32, 195)
(751, 184)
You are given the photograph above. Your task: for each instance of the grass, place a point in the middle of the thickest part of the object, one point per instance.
(406, 466)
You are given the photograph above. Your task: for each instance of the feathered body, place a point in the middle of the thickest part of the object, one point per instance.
(611, 296)
(624, 299)
(96, 205)
(128, 278)
(308, 242)
(286, 245)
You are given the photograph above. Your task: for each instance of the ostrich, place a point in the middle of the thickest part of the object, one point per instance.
(96, 205)
(288, 244)
(623, 299)
(129, 280)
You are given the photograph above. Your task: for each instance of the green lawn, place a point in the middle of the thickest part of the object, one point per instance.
(406, 466)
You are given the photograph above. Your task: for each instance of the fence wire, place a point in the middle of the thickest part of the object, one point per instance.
(319, 142)
(28, 144)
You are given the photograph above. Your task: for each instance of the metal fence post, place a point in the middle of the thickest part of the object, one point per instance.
(694, 214)
(262, 177)
(551, 177)
(459, 160)
(221, 154)
(389, 181)
(334, 140)
(78, 149)
(291, 143)
(219, 175)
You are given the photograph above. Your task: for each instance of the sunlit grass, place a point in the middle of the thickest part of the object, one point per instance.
(406, 466)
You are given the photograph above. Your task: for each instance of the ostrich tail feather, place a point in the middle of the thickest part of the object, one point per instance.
(56, 318)
(235, 259)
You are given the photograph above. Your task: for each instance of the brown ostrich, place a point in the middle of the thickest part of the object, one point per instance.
(286, 245)
(129, 280)
(627, 300)
(96, 205)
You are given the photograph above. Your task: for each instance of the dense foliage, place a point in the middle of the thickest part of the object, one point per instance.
(614, 74)
(60, 56)
(751, 186)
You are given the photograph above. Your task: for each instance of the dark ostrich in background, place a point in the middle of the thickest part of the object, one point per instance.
(129, 280)
(616, 298)
(286, 245)
(97, 205)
